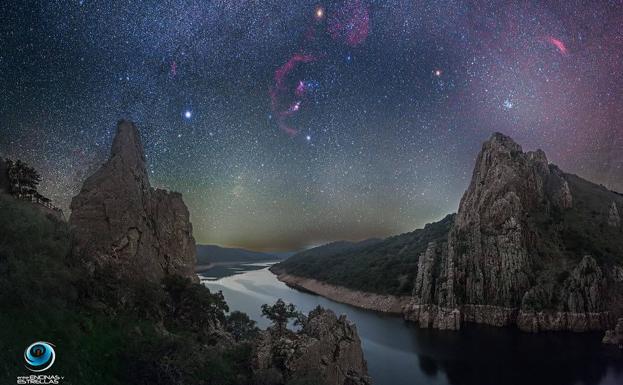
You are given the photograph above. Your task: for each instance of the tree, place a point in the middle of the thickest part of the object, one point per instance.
(241, 326)
(280, 313)
(23, 179)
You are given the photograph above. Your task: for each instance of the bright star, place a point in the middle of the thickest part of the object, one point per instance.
(188, 114)
(319, 14)
(308, 137)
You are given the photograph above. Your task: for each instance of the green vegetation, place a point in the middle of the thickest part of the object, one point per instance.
(22, 181)
(106, 330)
(281, 313)
(581, 230)
(387, 267)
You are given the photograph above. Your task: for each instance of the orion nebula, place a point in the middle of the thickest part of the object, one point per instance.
(281, 92)
(348, 25)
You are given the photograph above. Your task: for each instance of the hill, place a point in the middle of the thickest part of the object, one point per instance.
(207, 254)
(333, 248)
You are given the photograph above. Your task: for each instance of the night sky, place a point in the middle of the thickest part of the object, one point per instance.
(286, 124)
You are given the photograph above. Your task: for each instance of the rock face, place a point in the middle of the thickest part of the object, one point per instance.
(499, 265)
(119, 219)
(614, 336)
(327, 349)
(4, 177)
(614, 219)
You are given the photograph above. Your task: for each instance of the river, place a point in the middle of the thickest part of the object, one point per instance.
(400, 353)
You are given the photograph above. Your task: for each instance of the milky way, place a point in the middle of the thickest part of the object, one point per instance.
(374, 133)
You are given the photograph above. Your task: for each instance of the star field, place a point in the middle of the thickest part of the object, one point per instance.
(291, 123)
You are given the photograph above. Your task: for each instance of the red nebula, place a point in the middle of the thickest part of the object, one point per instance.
(300, 89)
(283, 109)
(350, 24)
(559, 45)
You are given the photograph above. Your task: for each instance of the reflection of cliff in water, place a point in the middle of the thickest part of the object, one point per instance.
(483, 355)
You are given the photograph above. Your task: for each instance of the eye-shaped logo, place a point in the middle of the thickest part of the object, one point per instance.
(39, 356)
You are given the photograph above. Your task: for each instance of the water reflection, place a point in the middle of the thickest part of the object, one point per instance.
(400, 353)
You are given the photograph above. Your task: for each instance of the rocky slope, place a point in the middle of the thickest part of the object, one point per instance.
(327, 350)
(530, 245)
(119, 219)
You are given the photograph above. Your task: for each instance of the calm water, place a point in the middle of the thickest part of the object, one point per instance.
(399, 353)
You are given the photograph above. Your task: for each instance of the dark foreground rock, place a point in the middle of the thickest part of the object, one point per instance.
(119, 219)
(4, 177)
(327, 350)
(614, 336)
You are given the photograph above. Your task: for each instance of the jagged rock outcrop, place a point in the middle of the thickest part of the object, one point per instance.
(614, 336)
(503, 263)
(327, 349)
(614, 219)
(119, 219)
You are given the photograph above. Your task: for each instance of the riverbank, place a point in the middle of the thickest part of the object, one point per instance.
(211, 265)
(369, 301)
(450, 319)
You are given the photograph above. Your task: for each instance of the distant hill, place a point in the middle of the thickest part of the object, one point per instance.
(207, 254)
(333, 248)
(385, 266)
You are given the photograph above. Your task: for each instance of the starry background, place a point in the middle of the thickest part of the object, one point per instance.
(286, 124)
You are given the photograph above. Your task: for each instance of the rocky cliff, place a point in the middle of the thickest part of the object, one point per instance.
(530, 245)
(327, 350)
(510, 257)
(118, 219)
(136, 242)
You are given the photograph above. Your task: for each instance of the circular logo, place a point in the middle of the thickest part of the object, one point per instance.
(39, 356)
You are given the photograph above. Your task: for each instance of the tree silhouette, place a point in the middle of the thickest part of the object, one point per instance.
(23, 179)
(280, 313)
(241, 326)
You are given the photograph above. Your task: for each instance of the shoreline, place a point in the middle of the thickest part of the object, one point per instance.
(378, 302)
(203, 268)
(432, 316)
